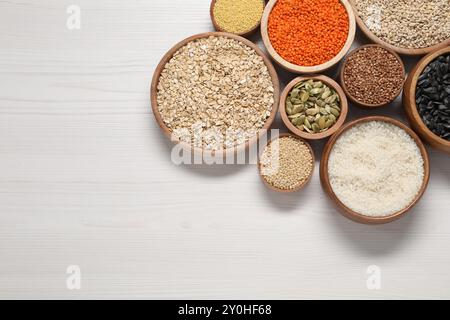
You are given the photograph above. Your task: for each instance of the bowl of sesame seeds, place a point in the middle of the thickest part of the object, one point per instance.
(286, 164)
(405, 26)
(215, 92)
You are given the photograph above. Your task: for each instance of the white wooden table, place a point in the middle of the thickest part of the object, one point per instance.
(86, 180)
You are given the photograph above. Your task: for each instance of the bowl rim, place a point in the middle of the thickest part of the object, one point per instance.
(314, 136)
(307, 69)
(343, 209)
(409, 99)
(344, 86)
(197, 150)
(405, 51)
(299, 187)
(242, 34)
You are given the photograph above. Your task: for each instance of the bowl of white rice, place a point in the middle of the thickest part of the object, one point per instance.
(375, 169)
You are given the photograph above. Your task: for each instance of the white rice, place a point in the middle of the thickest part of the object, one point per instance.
(376, 169)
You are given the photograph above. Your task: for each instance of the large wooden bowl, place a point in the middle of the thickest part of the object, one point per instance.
(299, 187)
(310, 69)
(169, 55)
(314, 136)
(218, 28)
(409, 103)
(361, 103)
(349, 213)
(405, 51)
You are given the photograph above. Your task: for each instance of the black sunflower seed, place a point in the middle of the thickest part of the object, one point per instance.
(433, 96)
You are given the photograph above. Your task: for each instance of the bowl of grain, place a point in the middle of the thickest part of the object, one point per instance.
(313, 107)
(405, 26)
(372, 76)
(286, 164)
(215, 92)
(375, 170)
(426, 99)
(240, 17)
(308, 36)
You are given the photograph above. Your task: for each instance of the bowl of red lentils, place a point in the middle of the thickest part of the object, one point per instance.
(308, 36)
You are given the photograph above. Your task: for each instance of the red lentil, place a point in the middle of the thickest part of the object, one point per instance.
(308, 32)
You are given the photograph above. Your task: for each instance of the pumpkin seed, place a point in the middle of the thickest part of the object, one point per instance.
(313, 106)
(335, 112)
(307, 124)
(329, 123)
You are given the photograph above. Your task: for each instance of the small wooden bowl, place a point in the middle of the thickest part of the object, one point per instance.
(405, 51)
(347, 212)
(301, 186)
(352, 98)
(314, 136)
(311, 69)
(169, 55)
(410, 106)
(218, 28)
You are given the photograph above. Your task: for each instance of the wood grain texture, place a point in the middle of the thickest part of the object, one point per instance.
(86, 179)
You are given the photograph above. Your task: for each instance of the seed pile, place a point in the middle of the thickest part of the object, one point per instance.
(433, 96)
(286, 163)
(376, 169)
(308, 32)
(373, 75)
(238, 16)
(215, 93)
(407, 23)
(312, 106)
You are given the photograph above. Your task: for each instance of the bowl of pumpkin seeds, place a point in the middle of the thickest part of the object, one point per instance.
(313, 107)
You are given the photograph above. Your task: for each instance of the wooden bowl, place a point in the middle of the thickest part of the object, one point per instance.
(169, 55)
(409, 103)
(352, 98)
(405, 51)
(347, 212)
(314, 136)
(305, 182)
(302, 69)
(218, 28)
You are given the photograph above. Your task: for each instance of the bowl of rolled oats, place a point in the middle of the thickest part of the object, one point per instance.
(215, 92)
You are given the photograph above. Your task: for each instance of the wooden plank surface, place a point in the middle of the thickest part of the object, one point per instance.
(86, 179)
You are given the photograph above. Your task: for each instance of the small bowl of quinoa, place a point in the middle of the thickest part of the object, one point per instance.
(372, 76)
(286, 164)
(240, 17)
(375, 170)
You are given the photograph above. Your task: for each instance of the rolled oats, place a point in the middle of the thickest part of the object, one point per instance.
(214, 86)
